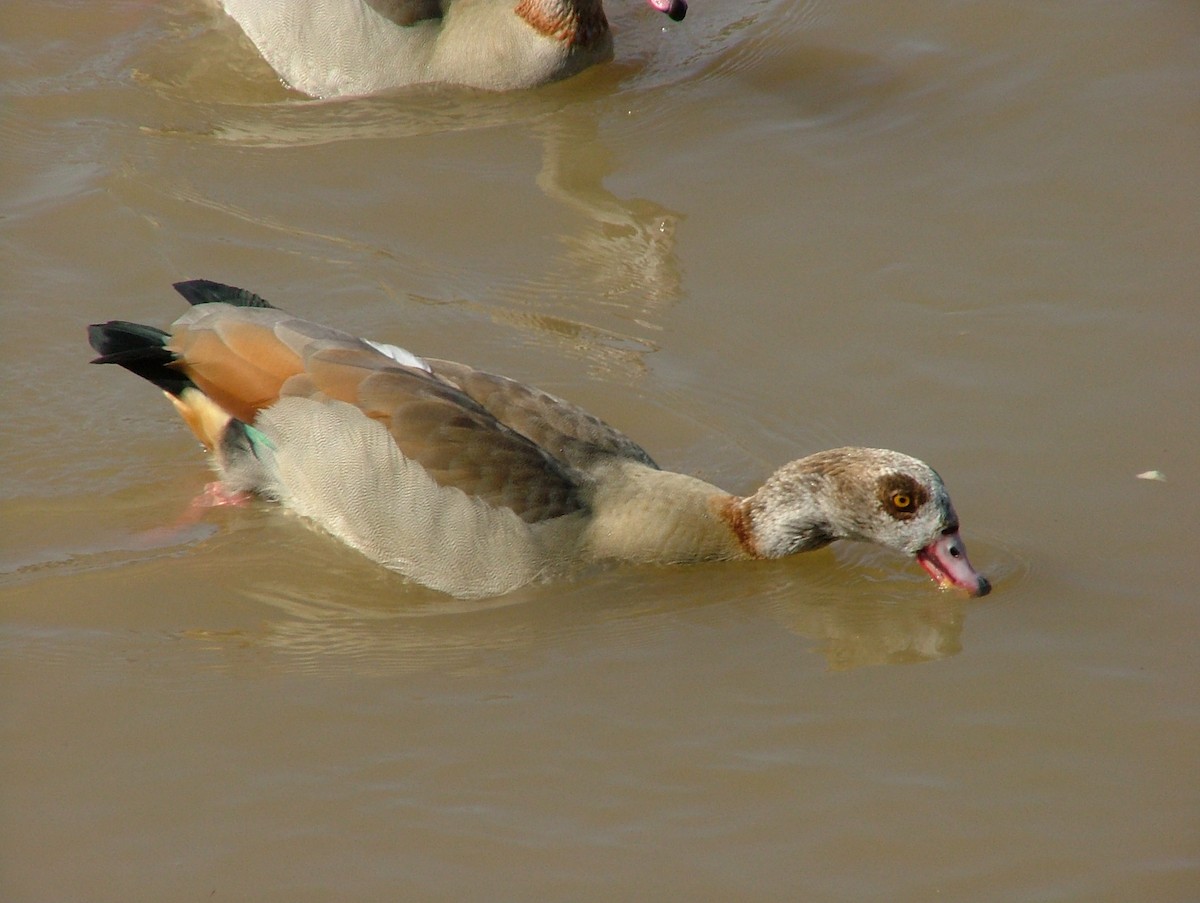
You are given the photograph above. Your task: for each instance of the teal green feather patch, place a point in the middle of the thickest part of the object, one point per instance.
(258, 440)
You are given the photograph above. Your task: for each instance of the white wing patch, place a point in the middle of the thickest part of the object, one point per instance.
(400, 355)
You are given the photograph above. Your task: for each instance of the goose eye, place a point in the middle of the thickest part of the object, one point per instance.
(901, 496)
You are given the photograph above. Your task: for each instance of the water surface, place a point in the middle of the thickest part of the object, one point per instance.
(964, 230)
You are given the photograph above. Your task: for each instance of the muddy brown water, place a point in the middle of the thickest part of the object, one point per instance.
(965, 230)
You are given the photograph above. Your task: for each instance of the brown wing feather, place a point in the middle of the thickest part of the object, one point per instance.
(234, 356)
(244, 359)
(241, 356)
(563, 429)
(458, 442)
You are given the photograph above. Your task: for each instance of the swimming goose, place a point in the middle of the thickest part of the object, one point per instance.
(330, 48)
(474, 484)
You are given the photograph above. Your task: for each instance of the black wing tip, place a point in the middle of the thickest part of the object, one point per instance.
(206, 291)
(139, 349)
(119, 337)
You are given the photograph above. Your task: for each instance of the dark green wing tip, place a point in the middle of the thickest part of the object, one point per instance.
(205, 291)
(140, 350)
(118, 338)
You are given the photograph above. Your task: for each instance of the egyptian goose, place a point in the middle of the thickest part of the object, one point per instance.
(331, 48)
(474, 484)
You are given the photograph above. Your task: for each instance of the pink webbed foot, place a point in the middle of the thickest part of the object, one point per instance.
(214, 495)
(217, 495)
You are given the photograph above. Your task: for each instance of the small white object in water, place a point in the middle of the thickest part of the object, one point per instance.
(1153, 475)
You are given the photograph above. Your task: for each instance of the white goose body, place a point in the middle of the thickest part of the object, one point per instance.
(330, 48)
(474, 484)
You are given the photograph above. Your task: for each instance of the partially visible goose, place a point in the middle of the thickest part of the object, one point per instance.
(474, 484)
(329, 48)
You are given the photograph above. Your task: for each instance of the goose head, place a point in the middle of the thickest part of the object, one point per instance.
(864, 494)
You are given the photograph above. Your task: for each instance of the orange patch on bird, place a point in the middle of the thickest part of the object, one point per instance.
(576, 29)
(733, 511)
